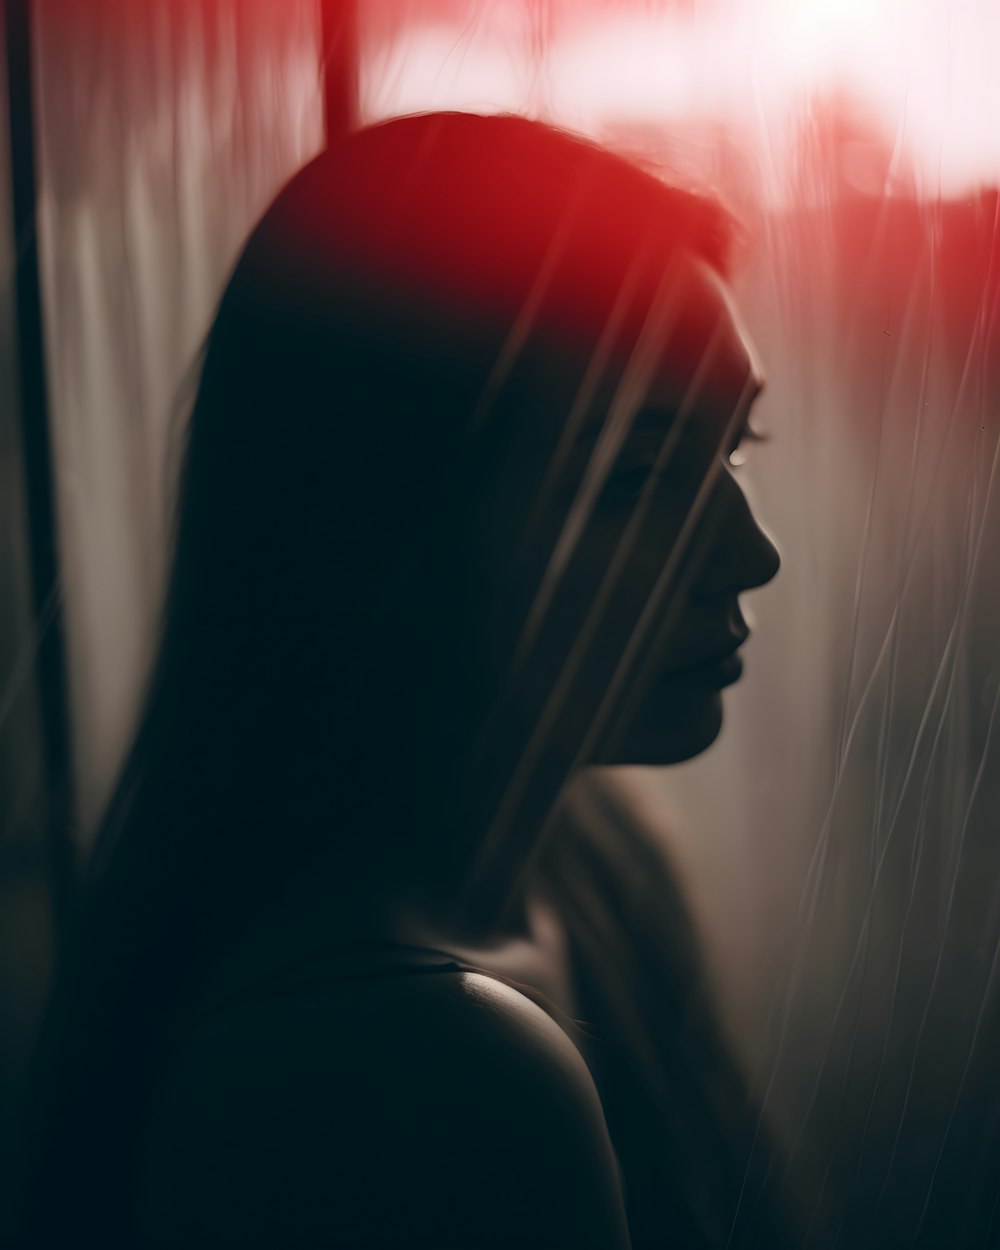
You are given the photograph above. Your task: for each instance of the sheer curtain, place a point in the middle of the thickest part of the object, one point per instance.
(164, 128)
(839, 841)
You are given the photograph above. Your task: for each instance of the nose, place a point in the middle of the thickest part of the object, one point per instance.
(739, 554)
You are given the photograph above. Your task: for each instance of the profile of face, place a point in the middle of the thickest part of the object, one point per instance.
(622, 611)
(558, 579)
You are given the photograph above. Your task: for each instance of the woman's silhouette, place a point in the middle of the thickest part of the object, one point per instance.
(456, 519)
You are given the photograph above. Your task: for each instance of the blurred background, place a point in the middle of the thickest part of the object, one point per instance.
(840, 842)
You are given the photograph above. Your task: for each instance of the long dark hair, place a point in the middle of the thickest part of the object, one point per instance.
(312, 647)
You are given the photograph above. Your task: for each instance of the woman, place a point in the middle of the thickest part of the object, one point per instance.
(455, 521)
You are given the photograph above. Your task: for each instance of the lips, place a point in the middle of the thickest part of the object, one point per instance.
(714, 667)
(720, 653)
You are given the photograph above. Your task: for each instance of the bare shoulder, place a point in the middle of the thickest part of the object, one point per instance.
(445, 1108)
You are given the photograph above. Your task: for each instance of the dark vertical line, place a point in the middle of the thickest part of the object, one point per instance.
(340, 66)
(37, 452)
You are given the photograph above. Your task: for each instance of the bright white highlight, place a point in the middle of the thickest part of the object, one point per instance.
(920, 73)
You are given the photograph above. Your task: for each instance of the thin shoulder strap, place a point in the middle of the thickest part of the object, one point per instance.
(368, 961)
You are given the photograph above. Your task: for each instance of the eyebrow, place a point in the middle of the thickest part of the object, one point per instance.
(653, 416)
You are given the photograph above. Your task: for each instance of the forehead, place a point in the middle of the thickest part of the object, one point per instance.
(691, 351)
(706, 356)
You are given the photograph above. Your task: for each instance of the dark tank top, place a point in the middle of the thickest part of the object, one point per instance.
(344, 963)
(691, 1150)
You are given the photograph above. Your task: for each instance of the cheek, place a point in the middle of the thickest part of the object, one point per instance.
(650, 614)
(648, 571)
(604, 593)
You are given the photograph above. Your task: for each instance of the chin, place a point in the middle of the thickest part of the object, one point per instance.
(660, 735)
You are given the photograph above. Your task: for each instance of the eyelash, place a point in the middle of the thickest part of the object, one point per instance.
(747, 435)
(626, 485)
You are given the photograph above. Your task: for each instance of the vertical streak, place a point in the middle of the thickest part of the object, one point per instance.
(882, 761)
(613, 432)
(811, 883)
(947, 662)
(957, 621)
(37, 450)
(522, 325)
(627, 400)
(963, 601)
(633, 666)
(980, 1016)
(340, 69)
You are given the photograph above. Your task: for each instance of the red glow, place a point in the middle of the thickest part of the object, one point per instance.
(921, 73)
